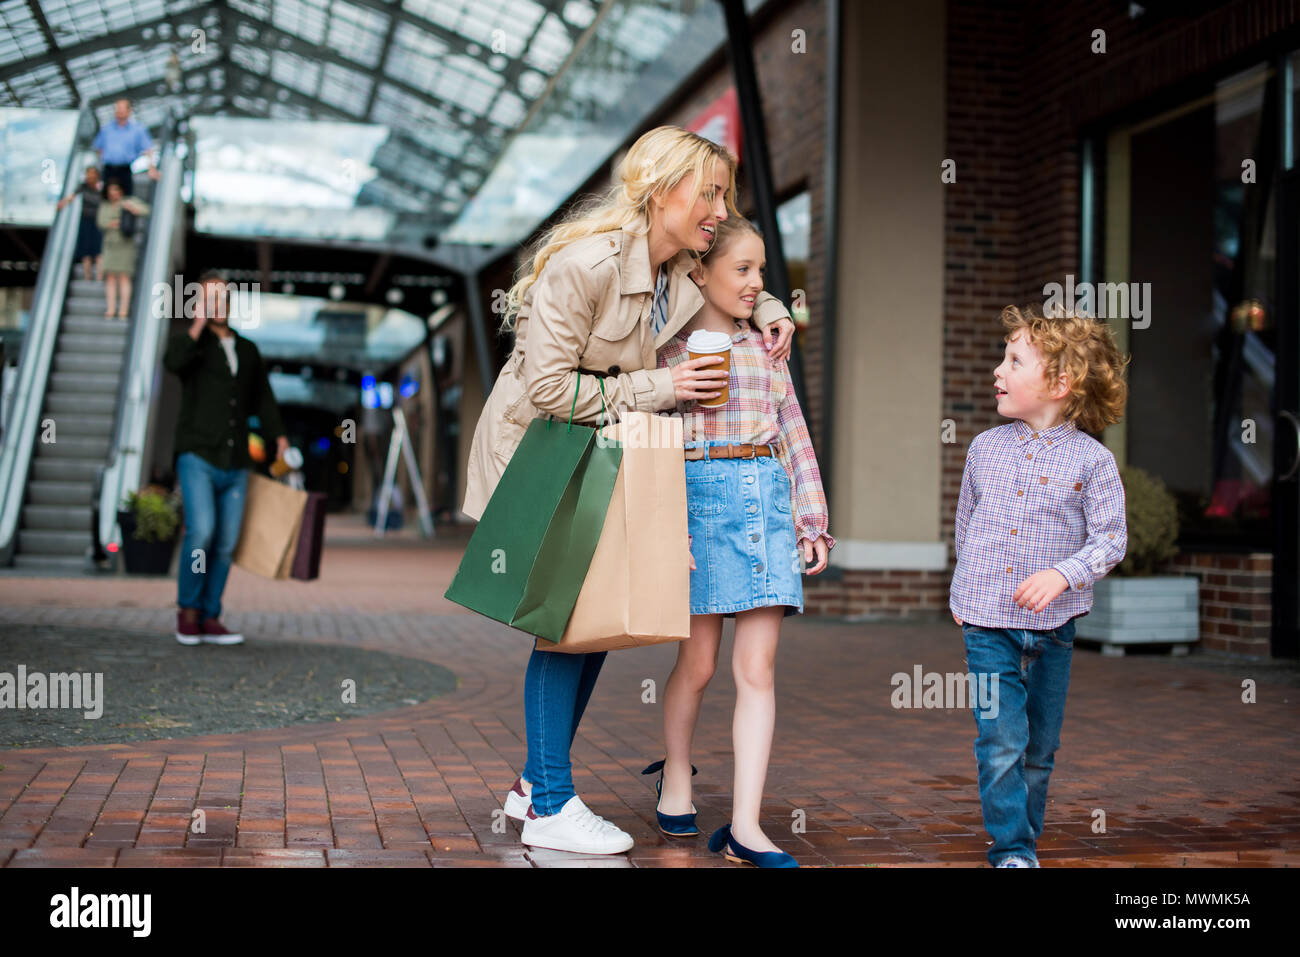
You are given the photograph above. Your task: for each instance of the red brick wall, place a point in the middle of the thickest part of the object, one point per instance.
(876, 594)
(983, 235)
(1236, 595)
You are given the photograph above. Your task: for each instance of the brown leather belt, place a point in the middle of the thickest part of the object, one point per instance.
(745, 451)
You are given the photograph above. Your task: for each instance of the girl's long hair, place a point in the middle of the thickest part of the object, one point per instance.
(657, 162)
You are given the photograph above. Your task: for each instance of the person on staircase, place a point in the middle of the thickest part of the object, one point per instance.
(90, 241)
(119, 219)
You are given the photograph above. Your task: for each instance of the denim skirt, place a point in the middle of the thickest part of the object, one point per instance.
(742, 536)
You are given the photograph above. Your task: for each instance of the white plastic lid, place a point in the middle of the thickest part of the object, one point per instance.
(706, 340)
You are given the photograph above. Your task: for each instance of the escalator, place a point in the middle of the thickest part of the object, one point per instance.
(76, 427)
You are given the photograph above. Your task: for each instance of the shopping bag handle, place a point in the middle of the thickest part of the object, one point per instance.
(573, 408)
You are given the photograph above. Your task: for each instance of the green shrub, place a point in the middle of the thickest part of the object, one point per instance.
(157, 514)
(1152, 522)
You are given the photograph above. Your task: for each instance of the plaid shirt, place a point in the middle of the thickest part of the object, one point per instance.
(1031, 501)
(761, 408)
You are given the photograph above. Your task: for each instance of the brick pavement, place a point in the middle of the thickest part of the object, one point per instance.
(1185, 773)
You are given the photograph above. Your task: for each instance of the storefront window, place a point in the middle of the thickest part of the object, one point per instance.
(1194, 227)
(794, 220)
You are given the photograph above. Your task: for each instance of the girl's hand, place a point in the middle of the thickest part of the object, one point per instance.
(688, 552)
(823, 554)
(698, 378)
(955, 618)
(777, 336)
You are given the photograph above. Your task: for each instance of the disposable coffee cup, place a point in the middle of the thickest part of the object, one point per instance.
(291, 461)
(703, 342)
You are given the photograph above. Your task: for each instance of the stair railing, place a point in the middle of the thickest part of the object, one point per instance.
(128, 453)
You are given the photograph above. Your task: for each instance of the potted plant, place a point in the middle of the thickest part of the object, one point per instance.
(1133, 605)
(149, 519)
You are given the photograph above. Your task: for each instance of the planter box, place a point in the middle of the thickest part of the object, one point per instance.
(1143, 611)
(143, 558)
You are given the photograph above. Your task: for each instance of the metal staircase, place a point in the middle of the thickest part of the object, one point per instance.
(76, 427)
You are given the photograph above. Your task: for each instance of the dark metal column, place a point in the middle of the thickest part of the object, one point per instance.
(478, 322)
(758, 165)
(831, 254)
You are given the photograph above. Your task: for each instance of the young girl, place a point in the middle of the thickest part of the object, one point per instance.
(742, 460)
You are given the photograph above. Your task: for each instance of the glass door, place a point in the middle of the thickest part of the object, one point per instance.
(1286, 492)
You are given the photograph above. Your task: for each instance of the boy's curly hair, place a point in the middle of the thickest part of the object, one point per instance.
(1084, 349)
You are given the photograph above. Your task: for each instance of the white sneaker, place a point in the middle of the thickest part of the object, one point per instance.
(1015, 861)
(517, 801)
(575, 829)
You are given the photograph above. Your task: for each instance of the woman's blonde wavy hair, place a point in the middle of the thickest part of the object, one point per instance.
(657, 162)
(1084, 349)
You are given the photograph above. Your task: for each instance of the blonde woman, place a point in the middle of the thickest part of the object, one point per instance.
(600, 293)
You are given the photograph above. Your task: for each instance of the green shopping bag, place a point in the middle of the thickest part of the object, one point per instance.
(527, 558)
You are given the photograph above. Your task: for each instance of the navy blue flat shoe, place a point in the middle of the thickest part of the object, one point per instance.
(733, 850)
(674, 825)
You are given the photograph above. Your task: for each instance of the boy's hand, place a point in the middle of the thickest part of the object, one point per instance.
(1037, 591)
(822, 551)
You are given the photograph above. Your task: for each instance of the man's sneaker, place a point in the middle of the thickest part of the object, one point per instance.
(518, 801)
(574, 829)
(1016, 861)
(187, 626)
(215, 633)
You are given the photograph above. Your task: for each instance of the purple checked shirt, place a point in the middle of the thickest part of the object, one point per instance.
(1031, 501)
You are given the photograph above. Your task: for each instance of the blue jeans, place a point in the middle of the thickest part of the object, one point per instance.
(1015, 749)
(214, 510)
(557, 688)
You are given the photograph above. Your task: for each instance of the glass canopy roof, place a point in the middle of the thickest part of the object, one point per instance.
(464, 120)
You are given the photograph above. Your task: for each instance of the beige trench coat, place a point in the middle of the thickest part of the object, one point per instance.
(592, 305)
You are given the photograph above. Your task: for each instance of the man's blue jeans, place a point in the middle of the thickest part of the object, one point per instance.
(1015, 749)
(557, 688)
(214, 509)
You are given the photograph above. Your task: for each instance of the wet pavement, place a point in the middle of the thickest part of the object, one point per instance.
(1164, 761)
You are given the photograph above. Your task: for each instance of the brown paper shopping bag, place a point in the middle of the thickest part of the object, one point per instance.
(268, 537)
(637, 589)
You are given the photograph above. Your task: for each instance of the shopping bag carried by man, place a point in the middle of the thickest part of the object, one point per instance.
(638, 588)
(526, 560)
(268, 537)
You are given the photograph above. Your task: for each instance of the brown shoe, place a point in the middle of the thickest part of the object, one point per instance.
(187, 626)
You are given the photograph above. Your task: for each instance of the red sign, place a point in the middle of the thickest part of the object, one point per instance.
(719, 122)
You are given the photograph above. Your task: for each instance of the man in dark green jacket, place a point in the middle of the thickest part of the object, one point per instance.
(223, 382)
